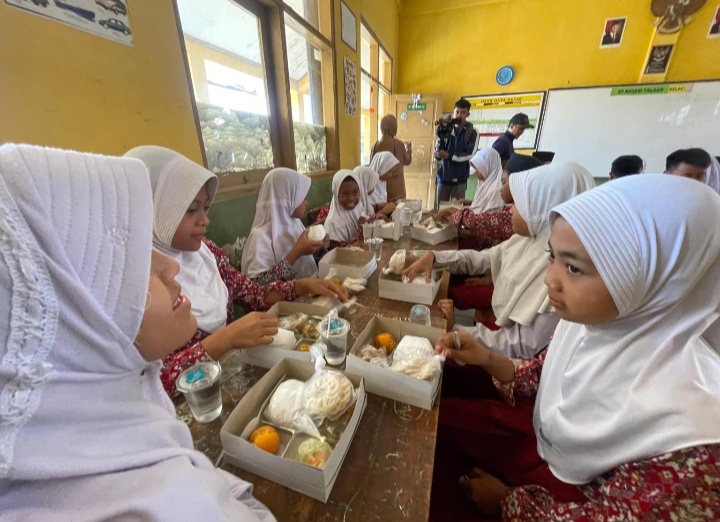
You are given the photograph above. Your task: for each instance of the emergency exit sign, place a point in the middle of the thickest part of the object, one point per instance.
(418, 107)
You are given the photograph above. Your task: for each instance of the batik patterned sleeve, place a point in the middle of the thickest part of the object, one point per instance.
(178, 361)
(527, 378)
(683, 485)
(322, 215)
(242, 290)
(488, 229)
(282, 271)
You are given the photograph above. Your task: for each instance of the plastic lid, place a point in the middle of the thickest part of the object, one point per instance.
(198, 377)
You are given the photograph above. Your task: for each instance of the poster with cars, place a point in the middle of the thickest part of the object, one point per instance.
(107, 18)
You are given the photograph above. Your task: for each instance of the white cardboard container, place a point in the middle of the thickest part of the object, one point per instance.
(445, 233)
(391, 287)
(348, 263)
(385, 382)
(269, 356)
(308, 480)
(390, 233)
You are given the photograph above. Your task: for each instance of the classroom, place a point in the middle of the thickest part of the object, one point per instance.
(360, 259)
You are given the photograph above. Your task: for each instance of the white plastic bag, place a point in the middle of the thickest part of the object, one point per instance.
(415, 356)
(286, 410)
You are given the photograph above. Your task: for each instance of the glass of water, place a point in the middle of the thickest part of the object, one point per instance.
(420, 314)
(375, 245)
(334, 336)
(201, 386)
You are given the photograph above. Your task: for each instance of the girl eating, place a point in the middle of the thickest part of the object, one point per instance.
(387, 166)
(278, 248)
(182, 194)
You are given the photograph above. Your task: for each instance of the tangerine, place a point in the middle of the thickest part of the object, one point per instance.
(385, 341)
(266, 438)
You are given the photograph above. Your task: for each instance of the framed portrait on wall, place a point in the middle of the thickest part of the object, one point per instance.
(659, 59)
(613, 32)
(714, 31)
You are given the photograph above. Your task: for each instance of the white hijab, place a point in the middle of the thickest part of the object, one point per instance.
(518, 265)
(87, 431)
(381, 163)
(712, 177)
(274, 230)
(487, 196)
(645, 383)
(369, 181)
(342, 225)
(175, 182)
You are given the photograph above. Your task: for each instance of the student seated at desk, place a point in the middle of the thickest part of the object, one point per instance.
(481, 231)
(387, 166)
(87, 431)
(278, 247)
(523, 313)
(627, 397)
(182, 194)
(488, 170)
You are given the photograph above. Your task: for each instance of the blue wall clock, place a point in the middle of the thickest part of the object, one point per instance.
(505, 75)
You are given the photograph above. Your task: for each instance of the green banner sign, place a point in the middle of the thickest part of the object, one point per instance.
(418, 107)
(647, 89)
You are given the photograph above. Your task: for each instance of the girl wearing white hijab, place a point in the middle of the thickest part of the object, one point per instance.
(347, 212)
(386, 165)
(182, 194)
(87, 431)
(489, 170)
(517, 266)
(369, 181)
(278, 248)
(628, 402)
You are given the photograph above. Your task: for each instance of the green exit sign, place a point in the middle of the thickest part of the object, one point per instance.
(418, 107)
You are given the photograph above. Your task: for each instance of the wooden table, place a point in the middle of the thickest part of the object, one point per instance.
(387, 473)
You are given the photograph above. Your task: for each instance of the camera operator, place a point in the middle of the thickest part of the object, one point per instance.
(456, 144)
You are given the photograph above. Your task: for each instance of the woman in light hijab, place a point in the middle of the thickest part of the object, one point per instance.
(87, 431)
(278, 248)
(524, 317)
(627, 395)
(369, 180)
(402, 150)
(489, 170)
(387, 166)
(182, 194)
(347, 212)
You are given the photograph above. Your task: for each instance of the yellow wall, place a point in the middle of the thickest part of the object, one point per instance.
(549, 43)
(67, 88)
(382, 17)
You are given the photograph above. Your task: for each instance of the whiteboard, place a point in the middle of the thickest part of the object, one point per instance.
(490, 115)
(593, 126)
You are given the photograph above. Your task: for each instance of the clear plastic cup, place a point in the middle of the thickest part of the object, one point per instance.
(420, 314)
(201, 386)
(367, 229)
(375, 246)
(335, 339)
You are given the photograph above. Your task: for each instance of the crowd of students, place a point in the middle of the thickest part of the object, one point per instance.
(588, 390)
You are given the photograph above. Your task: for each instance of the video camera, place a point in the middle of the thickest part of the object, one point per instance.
(445, 126)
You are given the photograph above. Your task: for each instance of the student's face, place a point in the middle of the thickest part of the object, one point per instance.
(189, 234)
(505, 188)
(517, 130)
(575, 288)
(519, 225)
(300, 211)
(168, 322)
(688, 171)
(461, 113)
(349, 195)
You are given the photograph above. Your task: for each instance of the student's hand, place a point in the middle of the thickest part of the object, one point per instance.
(465, 202)
(321, 287)
(478, 281)
(424, 264)
(326, 241)
(362, 220)
(486, 491)
(448, 309)
(381, 217)
(470, 352)
(253, 329)
(304, 246)
(388, 208)
(444, 214)
(443, 154)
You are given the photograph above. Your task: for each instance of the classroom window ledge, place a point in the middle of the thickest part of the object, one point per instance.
(235, 185)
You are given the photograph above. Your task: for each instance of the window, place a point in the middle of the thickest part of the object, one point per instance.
(246, 83)
(375, 89)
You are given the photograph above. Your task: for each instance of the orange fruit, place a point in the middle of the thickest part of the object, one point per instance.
(386, 342)
(266, 438)
(303, 348)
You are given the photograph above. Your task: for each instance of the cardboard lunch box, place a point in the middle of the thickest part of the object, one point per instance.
(391, 286)
(385, 382)
(435, 237)
(392, 230)
(346, 262)
(308, 480)
(269, 356)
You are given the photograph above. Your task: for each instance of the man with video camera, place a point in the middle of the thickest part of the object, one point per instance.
(455, 145)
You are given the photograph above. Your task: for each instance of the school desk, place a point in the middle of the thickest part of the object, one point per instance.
(387, 473)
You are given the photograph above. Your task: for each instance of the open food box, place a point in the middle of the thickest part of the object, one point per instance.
(385, 381)
(284, 466)
(432, 232)
(300, 318)
(392, 230)
(347, 262)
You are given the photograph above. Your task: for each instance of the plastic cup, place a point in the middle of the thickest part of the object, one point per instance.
(335, 340)
(375, 245)
(367, 229)
(407, 216)
(420, 314)
(201, 386)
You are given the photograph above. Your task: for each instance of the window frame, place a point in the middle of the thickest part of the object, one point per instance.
(273, 15)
